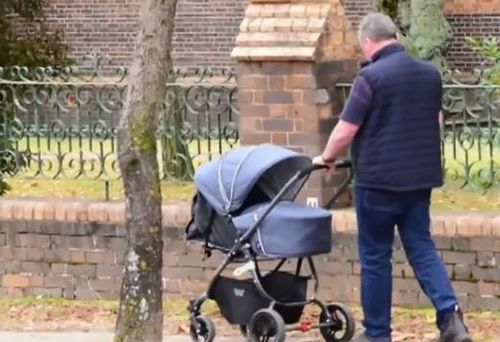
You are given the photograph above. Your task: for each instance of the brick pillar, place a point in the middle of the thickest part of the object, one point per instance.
(290, 55)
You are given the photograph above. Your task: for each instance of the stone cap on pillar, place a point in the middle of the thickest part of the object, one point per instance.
(278, 30)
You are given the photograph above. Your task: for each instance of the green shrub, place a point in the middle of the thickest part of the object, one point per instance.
(490, 49)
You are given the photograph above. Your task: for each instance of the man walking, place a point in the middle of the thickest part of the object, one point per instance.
(392, 120)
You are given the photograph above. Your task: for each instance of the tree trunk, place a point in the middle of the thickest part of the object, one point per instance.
(140, 316)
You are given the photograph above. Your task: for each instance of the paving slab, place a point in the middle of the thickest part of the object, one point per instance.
(101, 337)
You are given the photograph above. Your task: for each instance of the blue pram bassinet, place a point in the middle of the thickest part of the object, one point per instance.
(245, 207)
(234, 191)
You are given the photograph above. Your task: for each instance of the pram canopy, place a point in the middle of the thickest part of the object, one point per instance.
(234, 190)
(227, 182)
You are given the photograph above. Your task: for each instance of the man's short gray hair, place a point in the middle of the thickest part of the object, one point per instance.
(377, 27)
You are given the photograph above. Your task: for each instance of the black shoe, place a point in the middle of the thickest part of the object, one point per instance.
(453, 328)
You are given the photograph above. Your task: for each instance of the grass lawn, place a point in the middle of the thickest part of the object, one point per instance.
(451, 197)
(90, 189)
(448, 198)
(457, 157)
(95, 156)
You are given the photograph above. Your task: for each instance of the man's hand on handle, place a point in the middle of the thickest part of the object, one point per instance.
(319, 160)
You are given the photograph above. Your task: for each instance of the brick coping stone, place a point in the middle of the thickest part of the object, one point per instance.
(176, 214)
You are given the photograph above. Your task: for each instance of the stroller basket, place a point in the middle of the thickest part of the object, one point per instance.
(238, 299)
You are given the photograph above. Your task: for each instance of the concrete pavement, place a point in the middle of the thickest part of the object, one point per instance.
(77, 337)
(101, 337)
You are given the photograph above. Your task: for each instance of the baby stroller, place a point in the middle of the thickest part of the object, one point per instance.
(244, 207)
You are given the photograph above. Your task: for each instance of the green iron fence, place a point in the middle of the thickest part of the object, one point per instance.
(471, 132)
(61, 123)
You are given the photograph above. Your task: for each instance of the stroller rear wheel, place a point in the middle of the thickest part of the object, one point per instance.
(342, 324)
(266, 326)
(203, 331)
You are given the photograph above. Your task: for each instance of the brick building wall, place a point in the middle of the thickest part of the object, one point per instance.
(476, 18)
(204, 35)
(206, 29)
(76, 250)
(106, 26)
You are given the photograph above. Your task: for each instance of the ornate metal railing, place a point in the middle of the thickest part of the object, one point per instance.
(62, 123)
(201, 114)
(471, 130)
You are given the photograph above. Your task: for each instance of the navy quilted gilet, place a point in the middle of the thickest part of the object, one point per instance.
(398, 145)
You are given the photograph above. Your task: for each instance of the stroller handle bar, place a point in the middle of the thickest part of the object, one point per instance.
(343, 164)
(340, 164)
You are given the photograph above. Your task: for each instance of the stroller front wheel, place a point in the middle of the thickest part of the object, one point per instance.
(203, 330)
(341, 323)
(266, 325)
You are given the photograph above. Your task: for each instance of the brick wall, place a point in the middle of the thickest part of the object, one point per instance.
(206, 29)
(473, 18)
(471, 25)
(294, 105)
(356, 9)
(107, 26)
(75, 250)
(471, 6)
(204, 36)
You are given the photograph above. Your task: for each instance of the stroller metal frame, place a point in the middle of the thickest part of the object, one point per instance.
(242, 245)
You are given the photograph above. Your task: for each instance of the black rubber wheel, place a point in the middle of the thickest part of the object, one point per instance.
(243, 330)
(266, 326)
(204, 331)
(342, 324)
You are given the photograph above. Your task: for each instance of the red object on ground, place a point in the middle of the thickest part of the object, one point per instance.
(304, 326)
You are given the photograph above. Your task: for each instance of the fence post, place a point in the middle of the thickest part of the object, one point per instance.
(290, 55)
